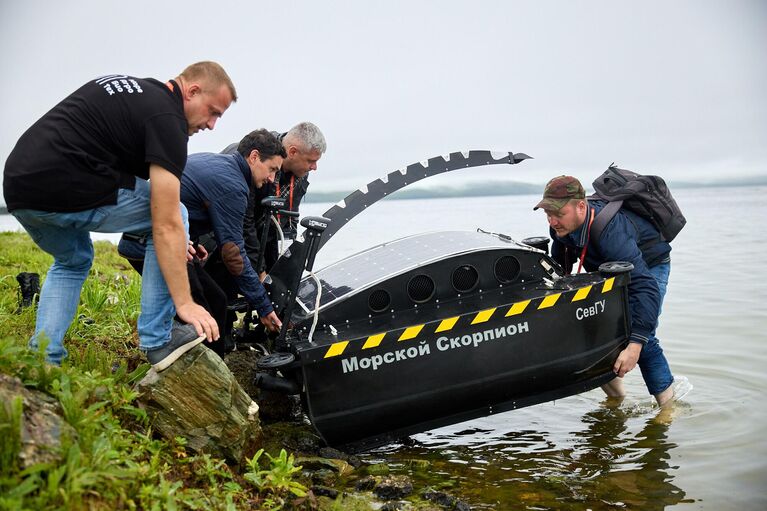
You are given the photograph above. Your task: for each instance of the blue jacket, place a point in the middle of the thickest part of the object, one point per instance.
(627, 237)
(214, 189)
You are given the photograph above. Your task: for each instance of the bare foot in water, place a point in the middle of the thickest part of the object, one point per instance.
(676, 391)
(614, 388)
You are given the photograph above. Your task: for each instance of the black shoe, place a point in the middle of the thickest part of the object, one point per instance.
(183, 338)
(29, 287)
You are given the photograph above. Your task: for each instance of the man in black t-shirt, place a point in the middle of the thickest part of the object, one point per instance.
(84, 167)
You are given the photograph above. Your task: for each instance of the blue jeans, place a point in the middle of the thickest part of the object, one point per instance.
(66, 236)
(652, 362)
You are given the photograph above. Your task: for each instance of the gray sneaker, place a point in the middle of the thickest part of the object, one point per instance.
(183, 338)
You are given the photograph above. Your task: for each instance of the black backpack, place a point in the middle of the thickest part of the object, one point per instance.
(647, 196)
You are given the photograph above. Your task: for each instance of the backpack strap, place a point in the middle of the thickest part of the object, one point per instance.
(603, 218)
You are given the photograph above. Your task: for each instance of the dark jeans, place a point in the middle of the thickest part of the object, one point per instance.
(652, 362)
(206, 292)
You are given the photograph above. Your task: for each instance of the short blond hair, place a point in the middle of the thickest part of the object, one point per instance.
(210, 72)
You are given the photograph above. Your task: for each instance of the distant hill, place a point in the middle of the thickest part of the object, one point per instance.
(743, 181)
(472, 190)
(489, 188)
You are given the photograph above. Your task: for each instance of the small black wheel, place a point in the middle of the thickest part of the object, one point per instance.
(615, 267)
(276, 360)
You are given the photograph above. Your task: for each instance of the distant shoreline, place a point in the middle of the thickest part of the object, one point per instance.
(501, 188)
(494, 188)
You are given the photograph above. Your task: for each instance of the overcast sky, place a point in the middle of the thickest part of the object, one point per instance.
(670, 87)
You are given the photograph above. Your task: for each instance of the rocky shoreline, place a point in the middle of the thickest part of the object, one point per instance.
(203, 400)
(332, 472)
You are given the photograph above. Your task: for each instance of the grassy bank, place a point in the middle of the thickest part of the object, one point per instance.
(110, 459)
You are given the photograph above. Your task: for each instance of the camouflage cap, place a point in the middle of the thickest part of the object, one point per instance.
(559, 191)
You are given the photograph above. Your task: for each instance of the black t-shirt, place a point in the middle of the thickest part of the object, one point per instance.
(94, 142)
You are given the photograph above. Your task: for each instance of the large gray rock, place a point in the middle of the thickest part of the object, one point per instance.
(199, 399)
(42, 427)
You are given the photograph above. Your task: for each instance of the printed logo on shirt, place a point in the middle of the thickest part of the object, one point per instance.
(114, 84)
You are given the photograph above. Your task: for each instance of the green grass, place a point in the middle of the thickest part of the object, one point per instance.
(104, 327)
(113, 461)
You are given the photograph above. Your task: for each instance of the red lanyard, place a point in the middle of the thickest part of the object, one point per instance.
(290, 193)
(586, 246)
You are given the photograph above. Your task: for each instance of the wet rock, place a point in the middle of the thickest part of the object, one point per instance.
(395, 506)
(324, 491)
(378, 469)
(446, 501)
(199, 398)
(313, 463)
(393, 488)
(366, 483)
(42, 429)
(329, 452)
(297, 437)
(322, 477)
(306, 443)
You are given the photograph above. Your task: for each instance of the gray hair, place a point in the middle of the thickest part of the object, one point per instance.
(308, 136)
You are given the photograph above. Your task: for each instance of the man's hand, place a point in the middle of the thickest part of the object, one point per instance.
(196, 251)
(627, 359)
(271, 322)
(199, 317)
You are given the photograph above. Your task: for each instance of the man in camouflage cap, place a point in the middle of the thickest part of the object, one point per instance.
(559, 191)
(558, 194)
(570, 216)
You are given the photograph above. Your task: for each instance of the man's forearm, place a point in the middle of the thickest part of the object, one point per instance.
(169, 239)
(170, 245)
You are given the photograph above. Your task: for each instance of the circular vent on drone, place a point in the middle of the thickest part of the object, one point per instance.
(379, 300)
(465, 278)
(420, 288)
(506, 269)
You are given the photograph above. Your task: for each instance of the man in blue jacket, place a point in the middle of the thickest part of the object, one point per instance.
(215, 189)
(627, 237)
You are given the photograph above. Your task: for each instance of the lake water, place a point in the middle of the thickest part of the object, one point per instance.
(583, 452)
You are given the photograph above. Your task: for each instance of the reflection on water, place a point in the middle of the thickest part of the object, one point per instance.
(625, 467)
(617, 457)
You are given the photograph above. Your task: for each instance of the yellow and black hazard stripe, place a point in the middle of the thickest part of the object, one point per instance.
(448, 324)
